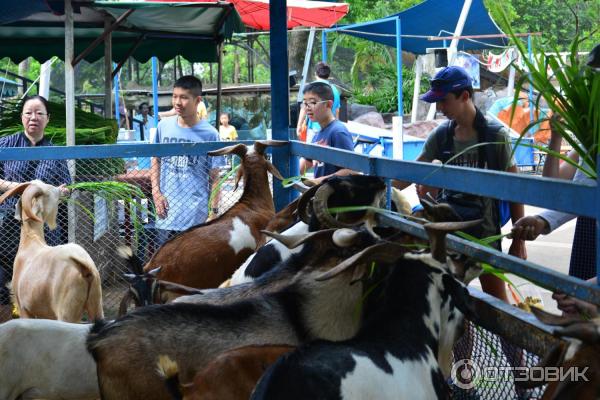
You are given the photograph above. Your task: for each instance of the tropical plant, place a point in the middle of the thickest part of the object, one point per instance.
(571, 91)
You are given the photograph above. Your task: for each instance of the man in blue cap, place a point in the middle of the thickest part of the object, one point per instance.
(452, 143)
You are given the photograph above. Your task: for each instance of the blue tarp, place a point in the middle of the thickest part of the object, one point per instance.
(17, 10)
(430, 18)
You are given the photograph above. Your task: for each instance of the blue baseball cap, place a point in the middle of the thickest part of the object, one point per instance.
(445, 81)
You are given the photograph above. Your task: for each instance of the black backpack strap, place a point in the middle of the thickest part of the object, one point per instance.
(487, 132)
(445, 140)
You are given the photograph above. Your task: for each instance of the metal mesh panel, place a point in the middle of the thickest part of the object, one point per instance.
(492, 357)
(100, 225)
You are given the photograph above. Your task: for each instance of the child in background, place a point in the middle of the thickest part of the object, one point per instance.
(226, 131)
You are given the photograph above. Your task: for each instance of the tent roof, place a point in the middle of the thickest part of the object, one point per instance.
(431, 18)
(192, 30)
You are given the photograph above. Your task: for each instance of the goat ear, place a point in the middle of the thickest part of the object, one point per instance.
(178, 289)
(261, 145)
(384, 252)
(274, 171)
(239, 149)
(14, 191)
(459, 295)
(238, 176)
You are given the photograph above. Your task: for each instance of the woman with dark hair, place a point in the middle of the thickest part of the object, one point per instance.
(34, 116)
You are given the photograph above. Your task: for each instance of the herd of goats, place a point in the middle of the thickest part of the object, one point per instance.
(333, 306)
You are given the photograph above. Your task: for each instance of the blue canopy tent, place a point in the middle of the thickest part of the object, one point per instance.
(412, 29)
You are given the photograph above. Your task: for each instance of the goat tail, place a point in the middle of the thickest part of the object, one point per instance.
(134, 263)
(168, 370)
(88, 271)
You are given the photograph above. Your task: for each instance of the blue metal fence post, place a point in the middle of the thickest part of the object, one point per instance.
(116, 86)
(280, 96)
(399, 72)
(155, 90)
(324, 45)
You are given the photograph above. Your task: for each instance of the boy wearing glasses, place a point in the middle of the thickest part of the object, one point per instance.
(318, 102)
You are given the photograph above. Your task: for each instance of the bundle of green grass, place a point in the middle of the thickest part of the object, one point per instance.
(89, 128)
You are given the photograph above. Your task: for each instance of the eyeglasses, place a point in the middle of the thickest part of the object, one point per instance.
(38, 114)
(312, 104)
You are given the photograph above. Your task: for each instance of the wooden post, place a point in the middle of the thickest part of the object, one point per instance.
(108, 103)
(70, 106)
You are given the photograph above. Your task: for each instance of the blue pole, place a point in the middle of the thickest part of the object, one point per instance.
(155, 89)
(324, 45)
(280, 96)
(116, 85)
(530, 55)
(399, 72)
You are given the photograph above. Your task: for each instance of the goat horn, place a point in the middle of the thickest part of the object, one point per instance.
(322, 212)
(387, 252)
(238, 176)
(261, 145)
(293, 241)
(27, 201)
(344, 237)
(19, 189)
(555, 320)
(587, 332)
(437, 234)
(274, 171)
(554, 358)
(303, 204)
(125, 302)
(239, 149)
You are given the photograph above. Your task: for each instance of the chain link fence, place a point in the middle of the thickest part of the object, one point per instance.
(100, 224)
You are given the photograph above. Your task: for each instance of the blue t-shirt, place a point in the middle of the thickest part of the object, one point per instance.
(314, 125)
(184, 180)
(333, 135)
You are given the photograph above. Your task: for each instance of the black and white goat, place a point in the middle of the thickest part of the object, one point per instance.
(395, 355)
(336, 191)
(299, 310)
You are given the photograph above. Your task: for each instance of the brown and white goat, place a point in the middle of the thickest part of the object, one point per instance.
(50, 282)
(287, 311)
(581, 351)
(206, 255)
(232, 375)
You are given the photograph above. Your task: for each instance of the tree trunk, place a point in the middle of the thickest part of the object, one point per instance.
(297, 49)
(236, 65)
(179, 66)
(23, 70)
(250, 60)
(136, 69)
(210, 68)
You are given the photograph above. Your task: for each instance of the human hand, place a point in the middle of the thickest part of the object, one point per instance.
(571, 305)
(528, 228)
(162, 205)
(517, 249)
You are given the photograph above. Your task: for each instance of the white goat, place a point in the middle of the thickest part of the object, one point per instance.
(46, 359)
(50, 282)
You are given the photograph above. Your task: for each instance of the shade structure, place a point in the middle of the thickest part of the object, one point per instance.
(318, 14)
(432, 18)
(164, 30)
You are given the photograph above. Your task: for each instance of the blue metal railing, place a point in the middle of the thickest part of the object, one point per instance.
(566, 196)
